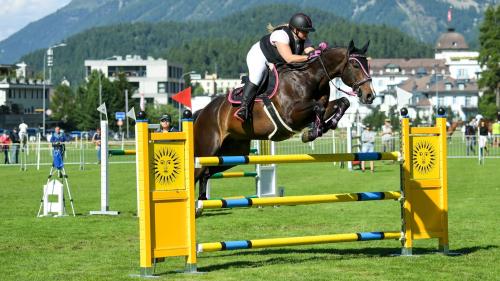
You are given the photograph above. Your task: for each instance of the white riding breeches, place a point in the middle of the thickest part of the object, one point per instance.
(257, 64)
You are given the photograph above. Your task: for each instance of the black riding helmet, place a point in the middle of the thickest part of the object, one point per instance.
(301, 22)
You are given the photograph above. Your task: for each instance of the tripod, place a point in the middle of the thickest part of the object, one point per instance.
(59, 166)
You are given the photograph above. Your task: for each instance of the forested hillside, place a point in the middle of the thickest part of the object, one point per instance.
(221, 44)
(423, 20)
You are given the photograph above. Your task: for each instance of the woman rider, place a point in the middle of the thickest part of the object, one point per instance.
(285, 44)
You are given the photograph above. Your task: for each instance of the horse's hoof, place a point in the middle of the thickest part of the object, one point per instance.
(307, 136)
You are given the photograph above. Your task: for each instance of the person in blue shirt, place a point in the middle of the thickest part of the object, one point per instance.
(58, 141)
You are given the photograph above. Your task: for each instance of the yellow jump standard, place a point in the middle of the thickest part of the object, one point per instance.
(165, 180)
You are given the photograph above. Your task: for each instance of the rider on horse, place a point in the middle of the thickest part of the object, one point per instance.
(285, 44)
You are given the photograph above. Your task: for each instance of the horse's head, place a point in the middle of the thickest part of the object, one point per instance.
(356, 73)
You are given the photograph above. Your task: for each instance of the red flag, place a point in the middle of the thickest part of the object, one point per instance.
(183, 97)
(449, 15)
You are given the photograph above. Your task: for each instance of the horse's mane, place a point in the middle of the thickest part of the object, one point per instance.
(301, 66)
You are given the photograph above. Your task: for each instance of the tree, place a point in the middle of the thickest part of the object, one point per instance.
(63, 107)
(87, 101)
(15, 108)
(375, 119)
(4, 109)
(489, 40)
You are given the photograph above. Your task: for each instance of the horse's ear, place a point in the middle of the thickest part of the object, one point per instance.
(351, 46)
(365, 47)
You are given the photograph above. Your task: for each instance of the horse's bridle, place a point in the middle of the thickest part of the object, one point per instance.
(355, 89)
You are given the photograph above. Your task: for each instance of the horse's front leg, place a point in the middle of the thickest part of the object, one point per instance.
(318, 111)
(334, 112)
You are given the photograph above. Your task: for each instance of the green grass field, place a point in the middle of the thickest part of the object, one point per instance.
(106, 248)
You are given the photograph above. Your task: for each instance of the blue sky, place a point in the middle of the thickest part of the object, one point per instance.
(16, 14)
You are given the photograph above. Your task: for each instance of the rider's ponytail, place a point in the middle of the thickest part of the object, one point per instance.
(271, 28)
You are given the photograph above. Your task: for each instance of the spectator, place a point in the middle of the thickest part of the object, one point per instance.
(368, 145)
(96, 139)
(16, 142)
(483, 138)
(495, 129)
(165, 124)
(387, 136)
(23, 134)
(4, 146)
(470, 137)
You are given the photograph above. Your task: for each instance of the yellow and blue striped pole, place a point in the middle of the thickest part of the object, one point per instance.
(122, 152)
(295, 241)
(297, 200)
(294, 158)
(233, 175)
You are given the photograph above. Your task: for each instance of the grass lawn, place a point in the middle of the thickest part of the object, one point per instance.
(106, 248)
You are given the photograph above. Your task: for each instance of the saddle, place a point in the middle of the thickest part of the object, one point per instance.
(267, 88)
(269, 85)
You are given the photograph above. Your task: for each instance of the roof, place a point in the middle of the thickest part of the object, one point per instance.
(427, 84)
(451, 40)
(408, 64)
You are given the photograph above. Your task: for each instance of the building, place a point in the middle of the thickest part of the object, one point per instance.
(156, 79)
(213, 85)
(21, 97)
(449, 80)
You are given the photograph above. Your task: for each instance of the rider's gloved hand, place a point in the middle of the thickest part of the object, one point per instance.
(321, 47)
(314, 54)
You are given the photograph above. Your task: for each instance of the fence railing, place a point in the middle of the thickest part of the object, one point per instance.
(85, 153)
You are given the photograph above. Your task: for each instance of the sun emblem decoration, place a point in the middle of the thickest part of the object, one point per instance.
(166, 166)
(424, 157)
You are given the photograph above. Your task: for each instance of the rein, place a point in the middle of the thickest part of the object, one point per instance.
(355, 87)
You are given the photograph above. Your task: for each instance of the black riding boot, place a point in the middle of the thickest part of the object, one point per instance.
(249, 93)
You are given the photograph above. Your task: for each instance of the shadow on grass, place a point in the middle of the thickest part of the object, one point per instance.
(332, 254)
(296, 256)
(214, 213)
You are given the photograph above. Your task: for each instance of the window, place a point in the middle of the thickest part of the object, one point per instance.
(468, 102)
(128, 70)
(161, 87)
(462, 73)
(454, 99)
(448, 86)
(461, 86)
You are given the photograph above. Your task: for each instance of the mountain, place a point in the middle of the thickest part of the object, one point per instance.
(216, 45)
(424, 20)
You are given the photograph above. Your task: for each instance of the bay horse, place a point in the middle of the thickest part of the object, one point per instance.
(302, 98)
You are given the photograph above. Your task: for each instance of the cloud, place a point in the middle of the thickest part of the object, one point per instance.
(16, 14)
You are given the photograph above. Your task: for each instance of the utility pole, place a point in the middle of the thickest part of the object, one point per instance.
(126, 110)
